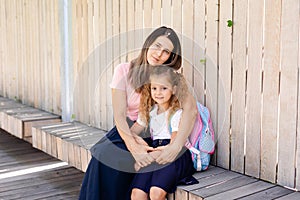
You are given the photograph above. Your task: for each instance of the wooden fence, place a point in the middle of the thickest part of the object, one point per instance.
(247, 73)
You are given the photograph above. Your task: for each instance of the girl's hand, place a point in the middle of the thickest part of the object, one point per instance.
(168, 153)
(140, 153)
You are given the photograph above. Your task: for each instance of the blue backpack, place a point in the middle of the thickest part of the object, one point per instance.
(201, 141)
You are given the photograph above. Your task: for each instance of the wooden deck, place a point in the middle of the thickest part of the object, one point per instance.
(27, 173)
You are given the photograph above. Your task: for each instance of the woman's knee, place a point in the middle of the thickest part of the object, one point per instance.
(137, 194)
(157, 193)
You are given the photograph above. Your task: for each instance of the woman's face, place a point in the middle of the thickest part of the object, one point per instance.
(159, 51)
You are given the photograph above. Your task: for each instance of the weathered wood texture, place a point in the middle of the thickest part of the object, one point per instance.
(26, 173)
(18, 119)
(247, 73)
(69, 142)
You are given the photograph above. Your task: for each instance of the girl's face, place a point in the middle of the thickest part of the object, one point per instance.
(160, 51)
(161, 90)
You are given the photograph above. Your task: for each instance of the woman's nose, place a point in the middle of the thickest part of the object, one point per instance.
(159, 52)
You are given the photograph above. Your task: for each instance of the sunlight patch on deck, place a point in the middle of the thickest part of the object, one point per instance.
(32, 170)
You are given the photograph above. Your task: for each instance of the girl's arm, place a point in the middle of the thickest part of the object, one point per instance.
(188, 117)
(139, 151)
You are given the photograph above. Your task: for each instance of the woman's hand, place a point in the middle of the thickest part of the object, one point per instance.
(139, 150)
(168, 153)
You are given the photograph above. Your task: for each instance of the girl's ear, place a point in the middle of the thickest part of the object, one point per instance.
(174, 90)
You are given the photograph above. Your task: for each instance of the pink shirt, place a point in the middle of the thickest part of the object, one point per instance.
(120, 82)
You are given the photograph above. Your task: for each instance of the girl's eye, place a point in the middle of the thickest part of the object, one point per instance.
(153, 88)
(165, 88)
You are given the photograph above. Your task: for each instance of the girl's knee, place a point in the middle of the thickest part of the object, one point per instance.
(157, 193)
(137, 194)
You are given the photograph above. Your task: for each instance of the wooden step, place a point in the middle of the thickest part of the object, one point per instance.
(17, 119)
(69, 142)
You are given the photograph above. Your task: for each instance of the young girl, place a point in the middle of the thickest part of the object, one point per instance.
(160, 108)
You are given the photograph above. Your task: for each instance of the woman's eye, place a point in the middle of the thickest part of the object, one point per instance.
(167, 52)
(156, 46)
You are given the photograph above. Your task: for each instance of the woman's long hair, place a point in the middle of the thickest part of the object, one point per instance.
(139, 70)
(175, 79)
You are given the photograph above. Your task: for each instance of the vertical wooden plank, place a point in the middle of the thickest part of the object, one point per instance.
(270, 90)
(288, 93)
(116, 54)
(79, 41)
(138, 26)
(297, 177)
(84, 158)
(98, 45)
(199, 49)
(224, 100)
(48, 56)
(109, 61)
(11, 48)
(187, 41)
(75, 51)
(130, 30)
(147, 19)
(156, 13)
(90, 62)
(44, 38)
(238, 85)
(254, 96)
(27, 49)
(84, 90)
(166, 12)
(211, 61)
(116, 33)
(34, 73)
(56, 100)
(4, 48)
(19, 49)
(123, 31)
(176, 17)
(103, 82)
(2, 41)
(38, 78)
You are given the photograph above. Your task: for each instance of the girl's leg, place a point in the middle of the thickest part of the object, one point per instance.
(157, 193)
(137, 194)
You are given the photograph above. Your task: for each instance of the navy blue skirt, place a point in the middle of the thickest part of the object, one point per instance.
(166, 177)
(110, 171)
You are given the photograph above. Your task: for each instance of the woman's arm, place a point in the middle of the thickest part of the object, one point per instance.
(138, 150)
(188, 117)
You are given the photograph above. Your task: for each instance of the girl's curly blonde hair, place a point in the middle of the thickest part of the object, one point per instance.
(176, 79)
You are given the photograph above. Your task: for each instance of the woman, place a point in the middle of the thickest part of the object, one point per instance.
(111, 170)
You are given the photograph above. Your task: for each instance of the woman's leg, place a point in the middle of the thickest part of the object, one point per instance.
(137, 194)
(109, 173)
(157, 193)
(91, 182)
